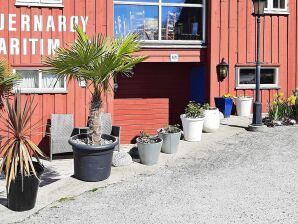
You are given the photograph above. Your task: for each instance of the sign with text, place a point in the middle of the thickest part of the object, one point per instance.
(31, 24)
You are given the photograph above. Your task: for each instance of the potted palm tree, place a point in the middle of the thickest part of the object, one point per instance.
(97, 61)
(21, 157)
(149, 148)
(171, 137)
(192, 121)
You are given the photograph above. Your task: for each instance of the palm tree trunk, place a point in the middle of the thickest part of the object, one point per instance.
(95, 118)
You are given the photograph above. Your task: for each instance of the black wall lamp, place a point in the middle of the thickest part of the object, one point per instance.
(259, 7)
(222, 70)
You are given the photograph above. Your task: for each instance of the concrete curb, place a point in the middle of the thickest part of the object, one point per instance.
(70, 187)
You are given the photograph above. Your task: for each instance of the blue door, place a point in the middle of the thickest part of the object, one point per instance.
(198, 84)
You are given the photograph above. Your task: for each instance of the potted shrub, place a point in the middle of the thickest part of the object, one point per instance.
(21, 157)
(212, 119)
(171, 137)
(243, 105)
(225, 104)
(149, 148)
(192, 121)
(97, 61)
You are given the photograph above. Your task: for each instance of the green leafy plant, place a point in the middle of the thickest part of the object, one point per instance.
(97, 60)
(171, 129)
(145, 138)
(194, 110)
(18, 150)
(7, 78)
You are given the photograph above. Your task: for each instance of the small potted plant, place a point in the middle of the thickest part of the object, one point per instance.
(149, 148)
(225, 104)
(212, 119)
(171, 137)
(243, 105)
(21, 157)
(192, 121)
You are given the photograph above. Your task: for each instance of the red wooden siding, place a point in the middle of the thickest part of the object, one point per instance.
(76, 100)
(232, 35)
(159, 80)
(134, 115)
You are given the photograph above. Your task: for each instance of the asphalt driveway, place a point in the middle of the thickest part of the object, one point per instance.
(247, 178)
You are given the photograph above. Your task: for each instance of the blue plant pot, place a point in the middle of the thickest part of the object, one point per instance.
(224, 105)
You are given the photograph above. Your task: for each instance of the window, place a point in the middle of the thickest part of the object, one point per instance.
(161, 21)
(38, 81)
(40, 3)
(276, 6)
(245, 78)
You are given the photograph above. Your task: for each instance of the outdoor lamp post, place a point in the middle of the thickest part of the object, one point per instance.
(259, 6)
(222, 70)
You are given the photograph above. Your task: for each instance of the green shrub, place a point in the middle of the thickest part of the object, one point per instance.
(194, 110)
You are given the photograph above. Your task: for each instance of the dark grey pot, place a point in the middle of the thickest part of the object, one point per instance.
(170, 141)
(149, 153)
(22, 194)
(92, 163)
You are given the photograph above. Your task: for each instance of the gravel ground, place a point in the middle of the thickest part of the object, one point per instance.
(248, 178)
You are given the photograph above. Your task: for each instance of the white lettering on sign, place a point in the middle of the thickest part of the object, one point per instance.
(36, 23)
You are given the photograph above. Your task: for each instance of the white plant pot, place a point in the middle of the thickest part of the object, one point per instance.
(243, 105)
(192, 128)
(211, 121)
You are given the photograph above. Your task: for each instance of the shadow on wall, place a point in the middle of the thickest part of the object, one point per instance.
(160, 80)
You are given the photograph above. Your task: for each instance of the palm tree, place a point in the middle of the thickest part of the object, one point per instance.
(7, 78)
(97, 60)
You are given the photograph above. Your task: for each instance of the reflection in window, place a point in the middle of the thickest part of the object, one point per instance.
(35, 80)
(136, 19)
(165, 20)
(181, 23)
(246, 77)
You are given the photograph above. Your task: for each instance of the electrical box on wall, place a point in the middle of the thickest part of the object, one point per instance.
(174, 57)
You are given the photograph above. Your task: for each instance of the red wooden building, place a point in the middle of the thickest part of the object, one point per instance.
(185, 39)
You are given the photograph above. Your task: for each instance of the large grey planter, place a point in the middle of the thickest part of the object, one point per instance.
(149, 152)
(170, 141)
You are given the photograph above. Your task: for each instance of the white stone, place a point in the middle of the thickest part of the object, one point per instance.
(293, 122)
(121, 158)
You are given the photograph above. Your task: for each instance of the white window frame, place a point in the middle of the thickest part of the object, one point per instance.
(171, 43)
(40, 3)
(39, 89)
(253, 86)
(271, 10)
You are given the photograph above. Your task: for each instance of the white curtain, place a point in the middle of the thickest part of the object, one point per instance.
(29, 79)
(50, 81)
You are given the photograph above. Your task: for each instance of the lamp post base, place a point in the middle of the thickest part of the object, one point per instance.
(256, 128)
(257, 114)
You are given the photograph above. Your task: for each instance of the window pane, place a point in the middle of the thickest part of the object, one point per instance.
(50, 81)
(267, 76)
(29, 79)
(275, 4)
(183, 1)
(247, 76)
(282, 4)
(136, 19)
(182, 23)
